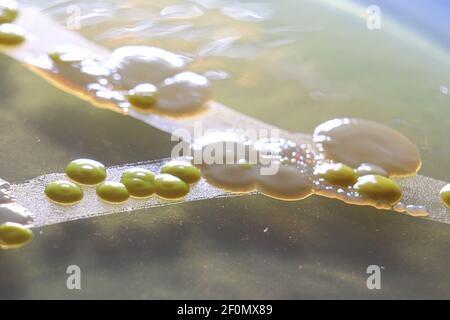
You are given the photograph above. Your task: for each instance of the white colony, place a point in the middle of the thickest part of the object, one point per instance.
(12, 212)
(184, 92)
(290, 180)
(416, 210)
(141, 64)
(5, 192)
(221, 147)
(289, 183)
(178, 91)
(232, 177)
(357, 141)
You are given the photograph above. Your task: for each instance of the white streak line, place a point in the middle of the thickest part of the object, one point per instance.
(417, 190)
(31, 196)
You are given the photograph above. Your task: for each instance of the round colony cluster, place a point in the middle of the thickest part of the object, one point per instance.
(350, 159)
(145, 79)
(275, 167)
(172, 183)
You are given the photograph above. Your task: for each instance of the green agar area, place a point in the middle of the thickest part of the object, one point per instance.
(143, 97)
(379, 188)
(8, 11)
(183, 170)
(337, 174)
(445, 195)
(113, 192)
(139, 182)
(10, 34)
(64, 192)
(170, 187)
(86, 171)
(14, 235)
